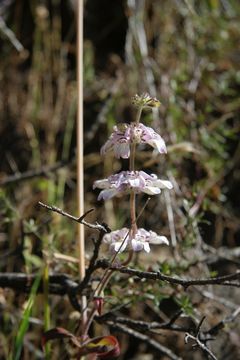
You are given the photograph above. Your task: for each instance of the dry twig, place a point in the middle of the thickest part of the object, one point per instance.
(146, 339)
(225, 280)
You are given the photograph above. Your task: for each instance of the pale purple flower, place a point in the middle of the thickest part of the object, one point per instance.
(126, 181)
(125, 134)
(150, 137)
(119, 141)
(143, 238)
(118, 240)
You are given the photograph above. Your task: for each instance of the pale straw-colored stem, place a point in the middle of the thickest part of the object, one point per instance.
(80, 151)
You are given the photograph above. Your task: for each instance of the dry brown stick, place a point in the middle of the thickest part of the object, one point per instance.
(92, 264)
(80, 219)
(143, 325)
(199, 341)
(225, 280)
(144, 338)
(59, 283)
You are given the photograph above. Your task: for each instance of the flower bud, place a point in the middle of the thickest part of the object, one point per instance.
(145, 101)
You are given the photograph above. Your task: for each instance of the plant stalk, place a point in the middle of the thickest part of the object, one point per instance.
(132, 168)
(80, 153)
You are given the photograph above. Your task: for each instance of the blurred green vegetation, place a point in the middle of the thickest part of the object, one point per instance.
(192, 66)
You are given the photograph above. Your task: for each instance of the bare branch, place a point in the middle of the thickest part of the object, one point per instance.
(200, 344)
(200, 340)
(80, 219)
(225, 280)
(148, 340)
(59, 284)
(142, 325)
(92, 264)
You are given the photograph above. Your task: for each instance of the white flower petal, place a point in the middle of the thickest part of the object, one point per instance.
(157, 239)
(158, 144)
(151, 190)
(163, 184)
(119, 246)
(146, 247)
(101, 184)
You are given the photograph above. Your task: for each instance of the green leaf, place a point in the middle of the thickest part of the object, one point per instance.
(25, 320)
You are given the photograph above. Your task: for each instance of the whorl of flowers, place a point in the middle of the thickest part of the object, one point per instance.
(124, 135)
(119, 240)
(127, 181)
(123, 142)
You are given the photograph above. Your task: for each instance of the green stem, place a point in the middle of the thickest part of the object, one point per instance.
(139, 113)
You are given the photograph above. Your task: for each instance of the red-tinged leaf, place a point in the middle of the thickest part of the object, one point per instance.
(114, 348)
(59, 333)
(104, 347)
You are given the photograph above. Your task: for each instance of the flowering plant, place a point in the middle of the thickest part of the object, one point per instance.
(123, 142)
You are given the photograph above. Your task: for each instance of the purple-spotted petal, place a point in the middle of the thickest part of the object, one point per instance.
(124, 135)
(150, 137)
(122, 150)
